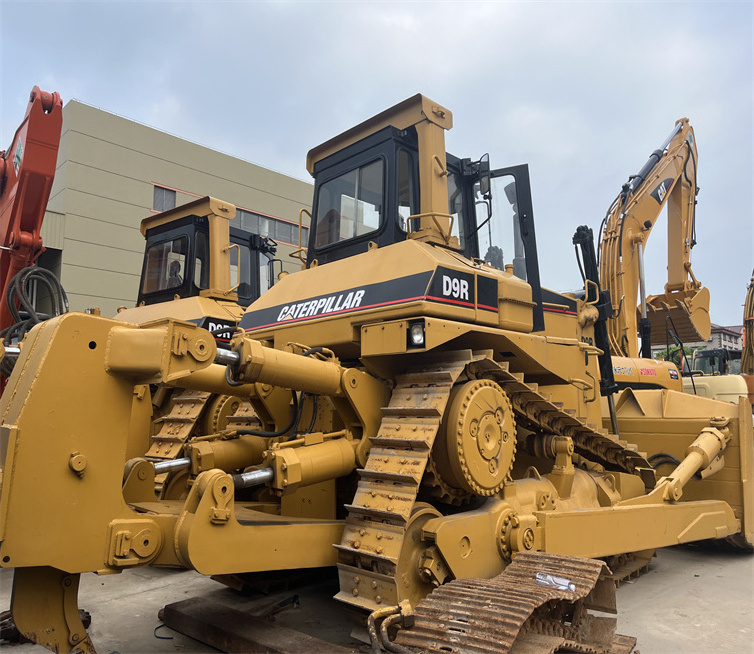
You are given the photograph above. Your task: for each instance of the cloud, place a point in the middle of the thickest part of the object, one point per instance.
(582, 91)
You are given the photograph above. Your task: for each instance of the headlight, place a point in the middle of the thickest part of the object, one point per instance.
(416, 334)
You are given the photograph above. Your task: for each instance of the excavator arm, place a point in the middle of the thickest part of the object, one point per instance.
(667, 179)
(27, 170)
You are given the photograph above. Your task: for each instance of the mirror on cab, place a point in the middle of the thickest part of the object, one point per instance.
(484, 176)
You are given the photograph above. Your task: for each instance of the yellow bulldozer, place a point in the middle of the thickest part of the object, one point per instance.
(431, 421)
(200, 269)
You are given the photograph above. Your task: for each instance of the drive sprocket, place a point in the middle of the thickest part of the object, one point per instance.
(475, 452)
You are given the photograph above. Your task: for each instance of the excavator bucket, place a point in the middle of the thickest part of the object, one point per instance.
(688, 310)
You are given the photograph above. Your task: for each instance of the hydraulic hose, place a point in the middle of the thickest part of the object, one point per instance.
(19, 292)
(280, 432)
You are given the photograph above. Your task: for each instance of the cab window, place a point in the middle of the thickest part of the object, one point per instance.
(240, 274)
(350, 205)
(499, 237)
(201, 261)
(166, 265)
(407, 200)
(455, 207)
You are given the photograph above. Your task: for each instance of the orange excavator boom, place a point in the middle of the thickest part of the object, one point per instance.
(27, 170)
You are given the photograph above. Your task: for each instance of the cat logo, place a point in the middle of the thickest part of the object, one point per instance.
(323, 305)
(662, 189)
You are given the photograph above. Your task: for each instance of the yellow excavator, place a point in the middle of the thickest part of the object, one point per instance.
(430, 423)
(681, 314)
(667, 180)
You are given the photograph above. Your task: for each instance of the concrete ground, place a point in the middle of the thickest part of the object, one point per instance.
(692, 601)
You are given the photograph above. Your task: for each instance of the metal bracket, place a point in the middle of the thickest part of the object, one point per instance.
(131, 542)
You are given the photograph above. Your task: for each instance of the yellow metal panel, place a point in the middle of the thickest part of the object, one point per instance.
(630, 529)
(401, 116)
(38, 522)
(190, 308)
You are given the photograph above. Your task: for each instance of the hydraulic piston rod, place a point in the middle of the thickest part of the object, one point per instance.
(9, 351)
(171, 465)
(227, 357)
(253, 478)
(704, 456)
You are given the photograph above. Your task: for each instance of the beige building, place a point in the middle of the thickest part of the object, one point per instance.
(722, 338)
(113, 172)
(726, 338)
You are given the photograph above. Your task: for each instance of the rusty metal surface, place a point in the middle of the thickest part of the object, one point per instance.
(630, 565)
(513, 612)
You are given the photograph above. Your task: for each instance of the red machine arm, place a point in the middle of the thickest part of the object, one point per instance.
(27, 170)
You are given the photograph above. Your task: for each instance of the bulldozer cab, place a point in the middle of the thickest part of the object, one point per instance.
(184, 256)
(368, 194)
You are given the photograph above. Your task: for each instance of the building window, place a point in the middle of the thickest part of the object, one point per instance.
(249, 221)
(277, 230)
(164, 199)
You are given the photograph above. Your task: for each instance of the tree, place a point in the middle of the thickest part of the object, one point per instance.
(674, 354)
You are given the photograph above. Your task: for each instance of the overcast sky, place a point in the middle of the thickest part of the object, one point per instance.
(581, 91)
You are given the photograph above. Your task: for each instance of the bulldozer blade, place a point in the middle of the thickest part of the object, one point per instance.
(688, 311)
